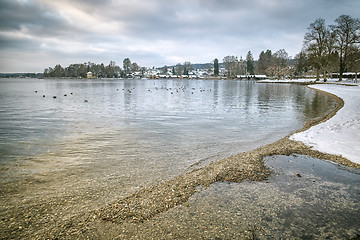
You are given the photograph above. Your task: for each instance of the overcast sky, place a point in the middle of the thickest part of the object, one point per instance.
(35, 34)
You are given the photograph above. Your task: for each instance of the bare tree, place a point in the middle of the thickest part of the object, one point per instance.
(355, 63)
(347, 31)
(179, 69)
(319, 44)
(271, 71)
(231, 63)
(134, 67)
(187, 67)
(281, 59)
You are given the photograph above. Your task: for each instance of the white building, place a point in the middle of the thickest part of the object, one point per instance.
(89, 75)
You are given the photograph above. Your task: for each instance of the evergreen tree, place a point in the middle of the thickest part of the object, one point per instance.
(102, 70)
(58, 71)
(300, 64)
(265, 59)
(164, 70)
(127, 66)
(250, 63)
(216, 67)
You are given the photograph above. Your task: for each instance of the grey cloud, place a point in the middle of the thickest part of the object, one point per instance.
(195, 28)
(32, 17)
(17, 43)
(14, 14)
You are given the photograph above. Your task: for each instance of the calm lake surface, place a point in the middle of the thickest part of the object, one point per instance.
(100, 140)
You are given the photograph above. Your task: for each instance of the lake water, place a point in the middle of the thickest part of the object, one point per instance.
(100, 140)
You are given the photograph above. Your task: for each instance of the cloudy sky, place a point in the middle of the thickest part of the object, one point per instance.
(35, 34)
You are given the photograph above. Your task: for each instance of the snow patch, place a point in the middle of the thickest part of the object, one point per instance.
(340, 135)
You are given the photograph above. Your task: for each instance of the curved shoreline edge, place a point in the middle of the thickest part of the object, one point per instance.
(149, 202)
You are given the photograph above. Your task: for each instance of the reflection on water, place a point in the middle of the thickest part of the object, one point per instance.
(108, 138)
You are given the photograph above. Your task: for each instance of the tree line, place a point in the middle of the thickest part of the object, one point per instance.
(98, 70)
(326, 49)
(274, 65)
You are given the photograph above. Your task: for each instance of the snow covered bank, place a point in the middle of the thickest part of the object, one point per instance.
(299, 81)
(349, 82)
(339, 135)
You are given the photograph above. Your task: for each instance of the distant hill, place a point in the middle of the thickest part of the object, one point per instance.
(21, 75)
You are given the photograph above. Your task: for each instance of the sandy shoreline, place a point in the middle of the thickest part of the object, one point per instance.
(149, 202)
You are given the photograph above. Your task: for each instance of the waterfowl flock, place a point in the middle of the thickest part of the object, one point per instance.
(130, 90)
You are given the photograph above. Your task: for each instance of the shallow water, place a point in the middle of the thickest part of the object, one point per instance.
(100, 140)
(305, 198)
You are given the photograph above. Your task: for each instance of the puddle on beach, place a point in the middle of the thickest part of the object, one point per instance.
(305, 198)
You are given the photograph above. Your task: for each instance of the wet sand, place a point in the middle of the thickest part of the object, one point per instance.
(130, 217)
